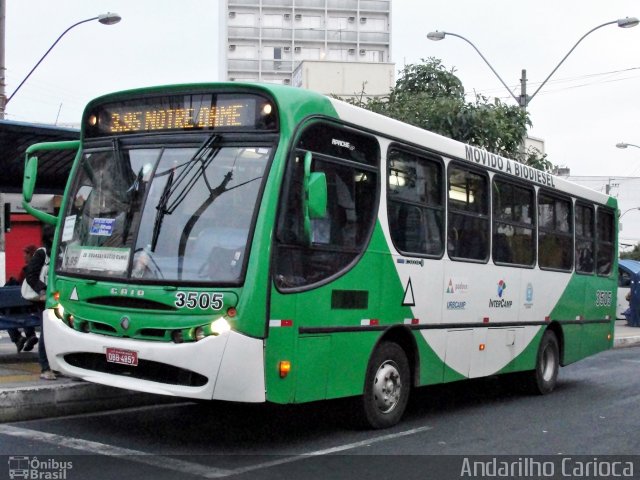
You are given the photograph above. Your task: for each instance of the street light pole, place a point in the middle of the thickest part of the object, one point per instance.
(436, 36)
(625, 145)
(627, 211)
(105, 19)
(524, 100)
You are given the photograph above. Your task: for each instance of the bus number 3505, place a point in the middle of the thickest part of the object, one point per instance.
(204, 300)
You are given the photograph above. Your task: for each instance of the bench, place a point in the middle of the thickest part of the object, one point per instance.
(15, 311)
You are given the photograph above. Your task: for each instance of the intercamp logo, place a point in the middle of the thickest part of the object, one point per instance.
(500, 302)
(502, 286)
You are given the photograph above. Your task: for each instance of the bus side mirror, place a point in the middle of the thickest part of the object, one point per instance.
(29, 180)
(314, 200)
(31, 174)
(317, 195)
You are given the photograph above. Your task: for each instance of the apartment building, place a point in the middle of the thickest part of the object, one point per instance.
(267, 39)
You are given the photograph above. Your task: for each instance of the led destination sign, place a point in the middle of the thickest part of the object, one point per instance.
(181, 113)
(179, 118)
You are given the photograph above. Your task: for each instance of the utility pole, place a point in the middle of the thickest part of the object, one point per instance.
(609, 186)
(523, 100)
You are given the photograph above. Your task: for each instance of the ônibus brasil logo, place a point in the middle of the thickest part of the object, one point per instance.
(500, 302)
(34, 468)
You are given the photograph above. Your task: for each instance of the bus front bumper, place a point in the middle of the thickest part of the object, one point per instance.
(232, 364)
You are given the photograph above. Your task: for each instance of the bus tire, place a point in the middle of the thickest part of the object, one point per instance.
(387, 386)
(543, 378)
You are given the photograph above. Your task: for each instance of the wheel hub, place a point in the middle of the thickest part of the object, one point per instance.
(387, 387)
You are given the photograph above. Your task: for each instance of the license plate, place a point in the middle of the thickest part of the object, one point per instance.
(123, 357)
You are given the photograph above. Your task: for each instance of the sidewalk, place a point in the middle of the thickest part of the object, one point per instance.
(23, 395)
(625, 336)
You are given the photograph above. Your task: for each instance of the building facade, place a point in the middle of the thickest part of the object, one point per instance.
(345, 79)
(267, 39)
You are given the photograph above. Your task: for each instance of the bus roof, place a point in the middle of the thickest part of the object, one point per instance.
(454, 149)
(288, 96)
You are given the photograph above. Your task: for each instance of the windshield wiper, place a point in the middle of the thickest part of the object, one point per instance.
(213, 195)
(161, 210)
(133, 194)
(205, 153)
(201, 160)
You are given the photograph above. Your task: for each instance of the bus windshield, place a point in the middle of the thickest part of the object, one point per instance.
(163, 213)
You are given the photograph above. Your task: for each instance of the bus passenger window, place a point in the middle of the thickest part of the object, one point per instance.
(513, 224)
(468, 233)
(585, 238)
(555, 233)
(606, 237)
(414, 204)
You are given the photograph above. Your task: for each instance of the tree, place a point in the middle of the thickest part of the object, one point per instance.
(633, 254)
(430, 96)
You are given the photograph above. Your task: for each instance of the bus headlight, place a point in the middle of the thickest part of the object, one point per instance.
(59, 311)
(220, 326)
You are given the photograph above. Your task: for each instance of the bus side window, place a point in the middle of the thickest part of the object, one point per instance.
(415, 203)
(468, 215)
(585, 238)
(513, 223)
(605, 241)
(555, 232)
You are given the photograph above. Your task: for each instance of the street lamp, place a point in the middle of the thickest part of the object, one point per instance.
(105, 18)
(626, 211)
(625, 145)
(524, 100)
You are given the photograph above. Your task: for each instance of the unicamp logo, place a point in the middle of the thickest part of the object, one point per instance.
(529, 296)
(35, 468)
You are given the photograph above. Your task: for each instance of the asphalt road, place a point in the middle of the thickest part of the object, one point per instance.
(591, 420)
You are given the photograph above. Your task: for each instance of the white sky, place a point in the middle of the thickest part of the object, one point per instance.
(591, 103)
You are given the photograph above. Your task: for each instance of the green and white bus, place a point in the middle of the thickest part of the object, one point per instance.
(261, 243)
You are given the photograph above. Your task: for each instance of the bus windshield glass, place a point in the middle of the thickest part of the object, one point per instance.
(163, 214)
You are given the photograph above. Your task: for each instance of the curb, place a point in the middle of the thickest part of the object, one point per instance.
(28, 403)
(24, 357)
(624, 342)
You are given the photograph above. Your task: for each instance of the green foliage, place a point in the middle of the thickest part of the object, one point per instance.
(429, 96)
(632, 255)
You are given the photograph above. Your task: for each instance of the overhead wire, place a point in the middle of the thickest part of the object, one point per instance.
(488, 91)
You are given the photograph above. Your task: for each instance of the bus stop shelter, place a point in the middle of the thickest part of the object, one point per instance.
(18, 228)
(53, 170)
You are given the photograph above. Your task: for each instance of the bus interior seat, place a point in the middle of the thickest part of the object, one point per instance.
(411, 234)
(502, 249)
(223, 249)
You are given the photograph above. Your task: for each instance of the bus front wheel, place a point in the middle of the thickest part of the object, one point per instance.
(387, 386)
(542, 379)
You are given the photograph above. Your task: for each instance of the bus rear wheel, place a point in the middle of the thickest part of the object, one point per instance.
(543, 378)
(387, 386)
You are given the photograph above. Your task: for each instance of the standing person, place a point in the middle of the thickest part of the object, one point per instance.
(35, 277)
(631, 314)
(27, 341)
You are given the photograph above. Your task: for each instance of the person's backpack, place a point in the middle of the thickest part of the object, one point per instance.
(29, 293)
